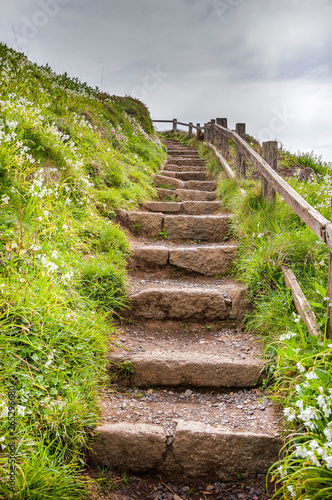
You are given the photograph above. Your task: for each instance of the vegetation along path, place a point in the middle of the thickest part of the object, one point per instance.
(185, 401)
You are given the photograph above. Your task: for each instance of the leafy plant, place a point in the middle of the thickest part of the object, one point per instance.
(163, 233)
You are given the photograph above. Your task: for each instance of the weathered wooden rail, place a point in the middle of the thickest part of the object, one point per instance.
(217, 136)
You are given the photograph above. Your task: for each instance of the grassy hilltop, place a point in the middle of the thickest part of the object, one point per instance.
(69, 156)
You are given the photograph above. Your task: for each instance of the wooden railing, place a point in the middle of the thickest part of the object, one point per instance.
(217, 136)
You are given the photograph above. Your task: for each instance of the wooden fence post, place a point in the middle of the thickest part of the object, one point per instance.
(224, 140)
(206, 132)
(219, 135)
(198, 131)
(175, 125)
(329, 294)
(190, 133)
(270, 155)
(240, 155)
(212, 131)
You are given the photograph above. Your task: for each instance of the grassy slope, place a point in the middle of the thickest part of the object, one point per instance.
(300, 366)
(69, 156)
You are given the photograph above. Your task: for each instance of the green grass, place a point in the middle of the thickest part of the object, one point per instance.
(299, 365)
(70, 156)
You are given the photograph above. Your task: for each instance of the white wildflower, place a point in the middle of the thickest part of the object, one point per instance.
(300, 367)
(290, 414)
(50, 358)
(3, 411)
(311, 376)
(287, 336)
(20, 410)
(291, 490)
(5, 199)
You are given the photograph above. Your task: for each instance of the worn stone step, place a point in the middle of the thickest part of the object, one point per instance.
(179, 151)
(167, 194)
(164, 206)
(186, 195)
(188, 299)
(201, 185)
(197, 227)
(189, 162)
(162, 180)
(185, 176)
(171, 356)
(186, 207)
(188, 434)
(176, 227)
(177, 168)
(209, 260)
(195, 195)
(147, 224)
(183, 156)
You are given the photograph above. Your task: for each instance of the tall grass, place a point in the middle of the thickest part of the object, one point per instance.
(69, 157)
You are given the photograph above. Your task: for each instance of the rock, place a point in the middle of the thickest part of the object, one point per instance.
(210, 487)
(190, 175)
(204, 449)
(209, 261)
(134, 447)
(202, 185)
(189, 368)
(200, 207)
(148, 257)
(177, 303)
(142, 223)
(176, 497)
(162, 180)
(240, 303)
(165, 193)
(197, 227)
(195, 195)
(190, 162)
(164, 206)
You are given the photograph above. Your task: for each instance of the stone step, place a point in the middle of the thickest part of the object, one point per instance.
(185, 176)
(177, 227)
(186, 195)
(208, 260)
(200, 185)
(171, 357)
(181, 152)
(162, 180)
(185, 161)
(186, 207)
(177, 168)
(213, 228)
(188, 434)
(198, 299)
(195, 195)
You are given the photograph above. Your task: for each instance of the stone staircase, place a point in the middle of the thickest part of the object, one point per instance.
(185, 400)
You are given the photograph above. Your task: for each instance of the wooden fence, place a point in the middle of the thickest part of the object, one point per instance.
(217, 136)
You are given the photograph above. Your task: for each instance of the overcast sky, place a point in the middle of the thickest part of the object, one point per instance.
(267, 63)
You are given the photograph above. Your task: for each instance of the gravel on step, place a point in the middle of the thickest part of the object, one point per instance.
(242, 410)
(137, 280)
(178, 337)
(151, 487)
